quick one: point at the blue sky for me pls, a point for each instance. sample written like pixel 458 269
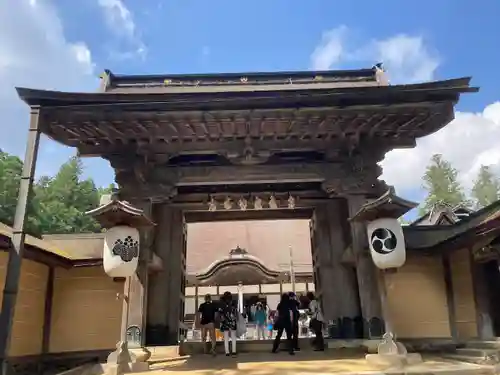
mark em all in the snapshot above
pixel 68 43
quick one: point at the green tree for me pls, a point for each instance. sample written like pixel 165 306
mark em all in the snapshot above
pixel 10 176
pixel 61 201
pixel 486 189
pixel 441 182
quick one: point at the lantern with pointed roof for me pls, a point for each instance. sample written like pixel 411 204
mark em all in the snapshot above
pixel 122 222
pixel 385 234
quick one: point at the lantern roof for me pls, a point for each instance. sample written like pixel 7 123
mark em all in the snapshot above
pixel 388 205
pixel 118 212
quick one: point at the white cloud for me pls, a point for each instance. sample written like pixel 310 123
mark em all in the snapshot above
pixel 35 53
pixel 469 141
pixel 330 49
pixel 406 58
pixel 121 21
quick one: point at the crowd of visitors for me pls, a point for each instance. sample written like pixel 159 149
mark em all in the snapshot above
pixel 224 314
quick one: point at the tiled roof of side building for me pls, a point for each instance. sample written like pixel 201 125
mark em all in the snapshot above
pixel 38 243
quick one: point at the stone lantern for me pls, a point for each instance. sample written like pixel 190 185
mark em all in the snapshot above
pixel 386 243
pixel 122 245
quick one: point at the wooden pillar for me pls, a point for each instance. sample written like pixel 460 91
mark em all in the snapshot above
pixel 137 286
pixel 16 251
pixel 166 288
pixel 366 272
pixel 337 281
pixel 47 318
pixel 485 329
pixel 450 296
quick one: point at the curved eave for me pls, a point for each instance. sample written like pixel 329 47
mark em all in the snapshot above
pixel 448 89
pixel 116 212
pixel 388 205
pixel 225 263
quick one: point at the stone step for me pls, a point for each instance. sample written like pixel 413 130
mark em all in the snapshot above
pixel 477 352
pixel 470 359
pixel 490 344
pixel 163 352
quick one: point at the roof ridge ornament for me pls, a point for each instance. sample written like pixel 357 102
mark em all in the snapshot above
pixel 238 251
pixel 381 75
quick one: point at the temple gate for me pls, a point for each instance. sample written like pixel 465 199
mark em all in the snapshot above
pixel 181 145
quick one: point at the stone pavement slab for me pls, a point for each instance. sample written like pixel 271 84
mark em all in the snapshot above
pixel 307 363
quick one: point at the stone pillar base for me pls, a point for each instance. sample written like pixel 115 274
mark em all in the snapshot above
pixel 396 361
pixel 141 354
pixel 392 354
pixel 132 367
pixel 123 360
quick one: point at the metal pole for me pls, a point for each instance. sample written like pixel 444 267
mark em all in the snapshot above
pixel 18 235
pixel 292 269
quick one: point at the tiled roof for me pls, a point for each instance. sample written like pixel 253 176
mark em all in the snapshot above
pixel 40 244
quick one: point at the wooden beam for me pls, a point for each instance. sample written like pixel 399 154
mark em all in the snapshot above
pixel 231 146
pixel 47 317
pixel 236 215
pixel 450 295
pixel 232 174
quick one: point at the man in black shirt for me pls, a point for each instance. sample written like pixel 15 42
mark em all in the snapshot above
pixel 206 315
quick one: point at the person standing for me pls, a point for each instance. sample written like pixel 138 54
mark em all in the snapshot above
pixel 228 315
pixel 283 322
pixel 316 323
pixel 294 303
pixel 206 313
pixel 261 321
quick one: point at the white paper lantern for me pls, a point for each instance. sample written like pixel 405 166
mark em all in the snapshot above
pixel 387 243
pixel 121 251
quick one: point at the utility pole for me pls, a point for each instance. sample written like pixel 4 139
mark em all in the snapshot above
pixel 292 270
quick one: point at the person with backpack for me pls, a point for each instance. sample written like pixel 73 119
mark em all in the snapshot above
pixel 316 322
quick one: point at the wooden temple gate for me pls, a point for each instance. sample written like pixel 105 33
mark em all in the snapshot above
pixel 178 143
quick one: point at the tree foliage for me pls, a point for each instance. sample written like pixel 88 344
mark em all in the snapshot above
pixel 10 176
pixel 442 185
pixel 486 189
pixel 59 203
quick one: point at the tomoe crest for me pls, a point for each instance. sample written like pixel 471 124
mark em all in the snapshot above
pixel 383 241
pixel 126 249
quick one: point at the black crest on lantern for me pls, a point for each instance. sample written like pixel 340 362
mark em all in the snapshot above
pixel 384 241
pixel 127 249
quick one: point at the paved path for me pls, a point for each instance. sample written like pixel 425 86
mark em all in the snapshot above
pixel 305 364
